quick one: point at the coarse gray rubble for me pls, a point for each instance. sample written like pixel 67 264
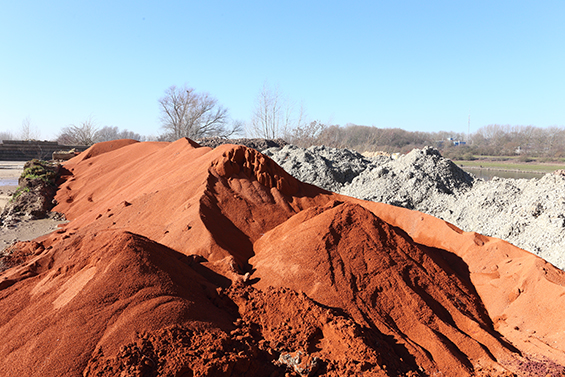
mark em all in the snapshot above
pixel 528 213
pixel 415 181
pixel 257 143
pixel 329 168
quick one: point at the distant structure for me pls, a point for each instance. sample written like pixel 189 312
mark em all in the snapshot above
pixel 456 142
pixel 24 150
pixel 518 150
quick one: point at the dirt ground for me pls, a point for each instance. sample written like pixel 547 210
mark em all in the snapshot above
pixel 10 171
pixel 9 174
pixel 6 192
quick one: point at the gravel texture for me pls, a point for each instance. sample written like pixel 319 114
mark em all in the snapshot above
pixel 529 213
pixel 329 168
pixel 415 181
pixel 257 143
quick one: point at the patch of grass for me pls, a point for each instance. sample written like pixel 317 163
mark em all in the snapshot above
pixel 19 191
pixel 43 177
pixel 511 165
pixel 525 158
pixel 469 157
pixel 39 169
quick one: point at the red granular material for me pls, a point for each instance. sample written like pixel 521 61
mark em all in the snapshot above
pixel 181 260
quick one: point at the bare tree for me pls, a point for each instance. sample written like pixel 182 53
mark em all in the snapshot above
pixel 86 133
pixel 186 113
pixel 307 135
pixel 27 131
pixel 264 119
pixel 125 134
pixel 275 115
pixel 108 133
pixel 6 135
pixel 237 127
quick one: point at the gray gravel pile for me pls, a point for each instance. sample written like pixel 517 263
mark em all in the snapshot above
pixel 257 143
pixel 325 167
pixel 528 213
pixel 413 181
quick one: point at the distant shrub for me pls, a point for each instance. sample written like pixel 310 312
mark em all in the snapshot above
pixel 525 158
pixel 469 157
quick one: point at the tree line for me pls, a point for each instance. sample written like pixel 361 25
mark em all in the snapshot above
pixel 490 140
pixel 186 112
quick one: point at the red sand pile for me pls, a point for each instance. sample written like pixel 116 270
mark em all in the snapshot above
pixel 187 261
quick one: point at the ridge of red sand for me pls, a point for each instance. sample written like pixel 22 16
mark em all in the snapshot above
pixel 520 291
pixel 101 148
pixel 344 256
pixel 183 260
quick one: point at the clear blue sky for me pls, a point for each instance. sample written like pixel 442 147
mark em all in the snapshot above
pixel 417 65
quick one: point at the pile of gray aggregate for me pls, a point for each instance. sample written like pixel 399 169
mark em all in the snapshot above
pixel 529 213
pixel 328 168
pixel 255 143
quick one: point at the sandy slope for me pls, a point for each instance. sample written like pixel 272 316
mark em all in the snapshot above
pixel 180 260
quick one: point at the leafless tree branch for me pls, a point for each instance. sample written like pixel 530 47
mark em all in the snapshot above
pixel 186 113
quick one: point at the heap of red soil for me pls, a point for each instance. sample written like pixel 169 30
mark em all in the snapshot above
pixel 187 261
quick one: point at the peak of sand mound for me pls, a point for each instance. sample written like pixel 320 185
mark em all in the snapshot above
pixel 255 166
pixel 344 256
pixel 326 167
pixel 417 180
pixel 185 260
pixel 104 147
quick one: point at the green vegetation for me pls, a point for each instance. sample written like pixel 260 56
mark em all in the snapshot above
pixel 39 169
pixel 34 170
pixel 511 163
pixel 19 192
